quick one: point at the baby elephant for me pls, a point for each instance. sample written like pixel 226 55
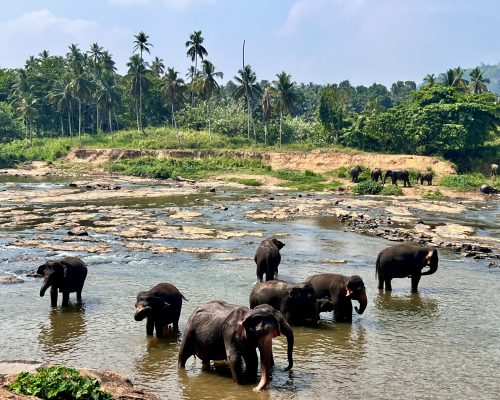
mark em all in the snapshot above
pixel 340 290
pixel 425 176
pixel 66 275
pixel 161 305
pixel 296 302
pixel 268 257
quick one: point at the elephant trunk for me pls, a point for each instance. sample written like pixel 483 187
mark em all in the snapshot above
pixel 363 302
pixel 431 270
pixel 141 312
pixel 286 330
pixel 45 286
pixel 266 351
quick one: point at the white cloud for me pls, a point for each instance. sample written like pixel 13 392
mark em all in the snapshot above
pixel 175 4
pixel 39 30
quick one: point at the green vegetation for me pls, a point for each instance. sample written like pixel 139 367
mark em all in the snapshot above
pixel 466 182
pixel 47 150
pixel 391 190
pixel 306 180
pixel 367 187
pixel 58 382
pixel 434 195
pixel 245 181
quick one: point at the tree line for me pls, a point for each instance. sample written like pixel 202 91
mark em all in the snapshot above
pixel 82 92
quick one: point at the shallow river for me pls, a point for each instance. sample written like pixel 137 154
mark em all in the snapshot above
pixel 442 343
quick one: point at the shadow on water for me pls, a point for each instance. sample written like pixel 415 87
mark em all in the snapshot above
pixel 408 304
pixel 64 329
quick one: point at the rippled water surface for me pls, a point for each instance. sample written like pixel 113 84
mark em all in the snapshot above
pixel 442 343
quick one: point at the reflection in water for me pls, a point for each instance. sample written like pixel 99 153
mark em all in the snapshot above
pixel 64 329
pixel 159 355
pixel 409 304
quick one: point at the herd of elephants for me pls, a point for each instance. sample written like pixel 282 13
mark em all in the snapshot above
pixel 221 331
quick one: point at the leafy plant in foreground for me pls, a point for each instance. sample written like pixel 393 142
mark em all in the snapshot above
pixel 367 187
pixel 60 383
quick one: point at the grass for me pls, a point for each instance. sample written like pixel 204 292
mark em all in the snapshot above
pixel 245 181
pixel 391 190
pixel 434 195
pixel 465 182
pixel 40 150
pixel 305 180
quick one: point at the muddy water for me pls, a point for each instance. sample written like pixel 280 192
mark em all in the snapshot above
pixel 443 343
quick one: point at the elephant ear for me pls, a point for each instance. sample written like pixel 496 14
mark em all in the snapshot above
pixel 338 289
pixel 294 293
pixel 241 332
pixel 428 257
pixel 260 317
pixel 41 270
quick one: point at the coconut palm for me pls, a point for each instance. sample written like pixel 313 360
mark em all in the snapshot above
pixel 62 100
pixel 477 83
pixel 210 85
pixel 136 76
pixel 157 67
pixel 141 43
pixel 107 63
pixel 195 49
pixel 108 96
pixel 95 53
pixel 266 110
pixel 27 109
pixel 81 87
pixel 454 77
pixel 248 88
pixel 286 93
pixel 172 87
pixel 430 79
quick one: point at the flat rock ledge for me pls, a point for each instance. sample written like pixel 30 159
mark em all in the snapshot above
pixel 119 386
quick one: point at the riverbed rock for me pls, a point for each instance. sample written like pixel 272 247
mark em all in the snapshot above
pixel 9 279
pixel 78 231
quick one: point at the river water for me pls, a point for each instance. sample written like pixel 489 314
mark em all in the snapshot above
pixel 442 343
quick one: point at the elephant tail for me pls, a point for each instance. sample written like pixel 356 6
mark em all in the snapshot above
pixel 377 266
pixel 184 297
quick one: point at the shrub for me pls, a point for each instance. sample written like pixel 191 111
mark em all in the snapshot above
pixel 391 190
pixel 367 187
pixel 58 382
pixel 434 195
pixel 468 182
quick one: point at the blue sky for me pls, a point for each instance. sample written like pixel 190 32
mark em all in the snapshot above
pixel 322 41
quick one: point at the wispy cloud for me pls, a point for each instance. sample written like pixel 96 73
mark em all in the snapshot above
pixel 175 4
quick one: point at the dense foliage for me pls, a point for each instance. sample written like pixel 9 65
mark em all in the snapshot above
pixel 81 92
pixel 59 383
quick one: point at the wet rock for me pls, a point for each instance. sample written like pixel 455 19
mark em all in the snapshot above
pixel 78 231
pixel 33 274
pixel 493 264
pixel 487 189
pixel 212 190
pixel 9 279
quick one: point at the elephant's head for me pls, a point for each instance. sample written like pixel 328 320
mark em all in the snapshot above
pixel 388 174
pixel 278 243
pixel 147 305
pixel 430 259
pixel 259 327
pixel 419 175
pixel 302 303
pixel 54 273
pixel 356 291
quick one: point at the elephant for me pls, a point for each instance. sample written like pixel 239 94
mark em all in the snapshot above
pixel 161 305
pixel 403 261
pixel 296 302
pixel 398 174
pixel 425 176
pixel 487 189
pixel 221 331
pixel 66 275
pixel 340 290
pixel 268 257
pixel 494 170
pixel 354 173
pixel 375 174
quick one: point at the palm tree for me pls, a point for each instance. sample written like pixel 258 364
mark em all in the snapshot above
pixel 62 100
pixel 478 82
pixel 28 111
pixel 108 96
pixel 141 43
pixel 95 53
pixel 107 63
pixel 157 67
pixel 172 87
pixel 195 49
pixel 81 88
pixel 210 85
pixel 136 76
pixel 430 79
pixel 287 95
pixel 266 110
pixel 454 77
pixel 248 88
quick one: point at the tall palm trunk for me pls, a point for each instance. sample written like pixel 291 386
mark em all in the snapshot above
pixel 174 124
pixel 281 119
pixel 69 122
pixel 62 123
pixel 248 118
pixel 265 133
pixel 80 121
pixel 209 128
pixel 140 99
pixel 137 114
pixel 98 127
pixel 110 123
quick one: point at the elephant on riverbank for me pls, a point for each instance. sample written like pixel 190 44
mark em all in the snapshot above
pixel 494 170
pixel 402 261
pixel 296 301
pixel 396 174
pixel 161 305
pixel 376 174
pixel 66 275
pixel 425 176
pixel 221 331
pixel 354 173
pixel 268 258
pixel 340 290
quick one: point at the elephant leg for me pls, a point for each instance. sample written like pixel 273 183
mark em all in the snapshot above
pixel 79 296
pixel 159 325
pixel 252 365
pixel 380 282
pixel 53 296
pixel 186 350
pixel 388 285
pixel 175 325
pixel 414 282
pixel 65 300
pixel 234 360
pixel 150 326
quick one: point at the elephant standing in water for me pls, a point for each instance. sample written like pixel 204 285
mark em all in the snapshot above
pixel 425 176
pixel 66 276
pixel 354 173
pixel 341 290
pixel 161 305
pixel 296 301
pixel 494 170
pixel 403 261
pixel 221 331
pixel 396 174
pixel 268 258
pixel 376 174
